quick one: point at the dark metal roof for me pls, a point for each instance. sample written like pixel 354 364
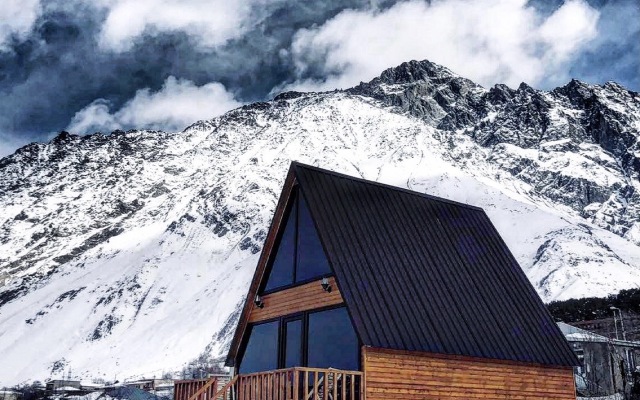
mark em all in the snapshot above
pixel 422 273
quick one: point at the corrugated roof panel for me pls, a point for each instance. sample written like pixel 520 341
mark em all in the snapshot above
pixel 422 273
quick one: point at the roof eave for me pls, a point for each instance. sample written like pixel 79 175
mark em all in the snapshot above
pixel 261 266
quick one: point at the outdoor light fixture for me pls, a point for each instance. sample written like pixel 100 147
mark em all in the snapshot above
pixel 325 285
pixel 258 302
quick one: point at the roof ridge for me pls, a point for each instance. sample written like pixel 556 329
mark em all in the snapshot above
pixel 297 164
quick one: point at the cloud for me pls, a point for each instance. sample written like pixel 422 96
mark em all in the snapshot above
pixel 16 19
pixel 212 22
pixel 59 67
pixel 59 56
pixel 615 53
pixel 488 41
pixel 177 104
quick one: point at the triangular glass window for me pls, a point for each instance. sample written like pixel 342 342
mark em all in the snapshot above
pixel 299 256
pixel 312 261
pixel 283 267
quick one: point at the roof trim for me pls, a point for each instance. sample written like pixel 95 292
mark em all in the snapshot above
pixel 296 164
pixel 258 275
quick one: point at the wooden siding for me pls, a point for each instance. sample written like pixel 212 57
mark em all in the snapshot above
pixel 394 374
pixel 300 298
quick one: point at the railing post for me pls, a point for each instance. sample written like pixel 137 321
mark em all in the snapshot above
pixel 325 386
pixel 306 385
pixel 269 388
pixel 335 386
pixel 315 385
pixel 353 387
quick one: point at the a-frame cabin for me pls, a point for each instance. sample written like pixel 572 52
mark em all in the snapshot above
pixel 365 290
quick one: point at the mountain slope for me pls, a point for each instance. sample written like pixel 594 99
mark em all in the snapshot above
pixel 129 254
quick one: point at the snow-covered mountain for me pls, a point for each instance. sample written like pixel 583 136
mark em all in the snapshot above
pixel 129 254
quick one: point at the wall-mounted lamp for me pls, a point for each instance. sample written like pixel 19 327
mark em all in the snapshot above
pixel 258 302
pixel 326 286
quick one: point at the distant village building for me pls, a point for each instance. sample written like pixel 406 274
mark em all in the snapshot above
pixel 61 386
pixel 368 291
pixel 625 325
pixel 151 385
pixel 68 387
pixel 10 395
pixel 607 366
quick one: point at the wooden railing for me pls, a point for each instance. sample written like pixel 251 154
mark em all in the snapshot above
pixel 300 383
pixel 199 389
pixel 185 389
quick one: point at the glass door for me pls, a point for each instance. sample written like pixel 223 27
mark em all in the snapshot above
pixel 293 343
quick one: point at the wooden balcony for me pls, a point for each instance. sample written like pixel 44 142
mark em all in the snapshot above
pixel 186 389
pixel 298 383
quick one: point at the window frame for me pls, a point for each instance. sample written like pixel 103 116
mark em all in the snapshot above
pixel 282 340
pixel 306 331
pixel 245 341
pixel 295 195
pixel 282 320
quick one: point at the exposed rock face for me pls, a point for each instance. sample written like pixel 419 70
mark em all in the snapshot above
pixel 130 253
pixel 553 134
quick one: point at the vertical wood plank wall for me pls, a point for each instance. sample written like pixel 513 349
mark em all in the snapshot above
pixel 297 299
pixel 393 374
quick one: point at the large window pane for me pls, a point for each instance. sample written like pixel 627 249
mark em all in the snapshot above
pixel 332 340
pixel 293 347
pixel 312 261
pixel 283 264
pixel 261 353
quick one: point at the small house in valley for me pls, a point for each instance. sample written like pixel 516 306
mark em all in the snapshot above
pixel 608 367
pixel 369 291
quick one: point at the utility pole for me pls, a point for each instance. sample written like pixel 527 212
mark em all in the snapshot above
pixel 624 334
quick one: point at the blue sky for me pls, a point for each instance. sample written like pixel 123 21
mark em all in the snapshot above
pixel 98 65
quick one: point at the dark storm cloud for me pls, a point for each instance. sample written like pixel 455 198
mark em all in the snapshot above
pixel 60 67
pixel 615 53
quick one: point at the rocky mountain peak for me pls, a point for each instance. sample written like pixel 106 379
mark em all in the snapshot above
pixel 428 91
pixel 578 92
pixel 415 71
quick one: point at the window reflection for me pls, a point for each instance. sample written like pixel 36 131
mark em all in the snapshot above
pixel 299 255
pixel 293 348
pixel 261 353
pixel 282 267
pixel 311 259
pixel 332 341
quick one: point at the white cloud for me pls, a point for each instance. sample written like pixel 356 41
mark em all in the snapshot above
pixel 212 22
pixel 178 104
pixel 16 19
pixel 488 41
